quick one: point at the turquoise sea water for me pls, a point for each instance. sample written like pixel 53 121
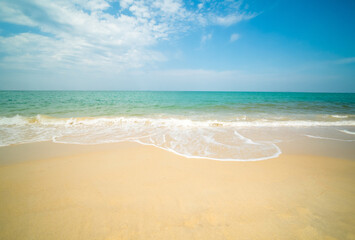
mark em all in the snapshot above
pixel 204 104
pixel 216 125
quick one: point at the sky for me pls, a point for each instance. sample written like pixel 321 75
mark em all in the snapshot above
pixel 194 45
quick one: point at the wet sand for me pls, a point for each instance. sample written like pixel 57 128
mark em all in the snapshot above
pixel 131 191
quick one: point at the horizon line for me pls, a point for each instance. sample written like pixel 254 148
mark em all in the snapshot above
pixel 106 90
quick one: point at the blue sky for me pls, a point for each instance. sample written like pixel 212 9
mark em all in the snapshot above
pixel 178 45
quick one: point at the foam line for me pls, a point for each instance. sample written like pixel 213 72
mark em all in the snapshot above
pixel 246 140
pixel 340 116
pixel 278 152
pixel 131 121
pixel 334 139
pixel 347 132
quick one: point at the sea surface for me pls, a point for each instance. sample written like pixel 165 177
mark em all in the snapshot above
pixel 226 126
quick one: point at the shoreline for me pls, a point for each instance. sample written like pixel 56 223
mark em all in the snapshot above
pixel 299 146
pixel 131 191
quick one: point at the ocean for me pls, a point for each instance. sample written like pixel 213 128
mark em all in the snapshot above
pixel 226 126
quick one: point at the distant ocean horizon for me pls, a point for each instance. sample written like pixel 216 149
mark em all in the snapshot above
pixel 228 126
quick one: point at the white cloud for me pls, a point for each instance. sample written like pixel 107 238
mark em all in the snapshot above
pixel 81 38
pixel 234 37
pixel 206 38
pixel 232 19
pixel 9 13
pixel 224 13
pixel 82 35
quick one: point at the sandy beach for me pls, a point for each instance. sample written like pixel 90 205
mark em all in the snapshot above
pixel 177 120
pixel 132 191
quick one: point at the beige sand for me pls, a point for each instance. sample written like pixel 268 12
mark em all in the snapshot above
pixel 130 191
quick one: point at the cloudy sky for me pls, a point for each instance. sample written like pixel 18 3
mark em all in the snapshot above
pixel 276 45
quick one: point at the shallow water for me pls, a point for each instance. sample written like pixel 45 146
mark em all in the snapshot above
pixel 229 126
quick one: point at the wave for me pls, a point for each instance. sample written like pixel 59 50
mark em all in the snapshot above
pixel 275 155
pixel 326 138
pixel 194 139
pixel 339 116
pixel 109 121
pixel 211 139
pixel 347 132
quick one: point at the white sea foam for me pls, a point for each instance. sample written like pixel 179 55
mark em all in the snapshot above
pixel 347 132
pixel 218 140
pixel 109 121
pixel 197 139
pixel 16 120
pixel 326 138
pixel 275 155
pixel 339 116
pixel 247 140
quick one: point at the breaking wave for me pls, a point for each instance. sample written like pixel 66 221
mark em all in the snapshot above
pixel 218 140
